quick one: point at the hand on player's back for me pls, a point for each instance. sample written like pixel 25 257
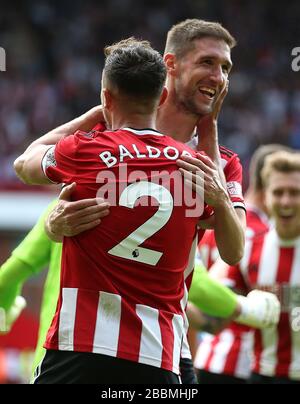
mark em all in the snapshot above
pixel 70 218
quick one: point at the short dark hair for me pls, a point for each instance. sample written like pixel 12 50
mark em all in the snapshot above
pixel 181 36
pixel 257 163
pixel 135 69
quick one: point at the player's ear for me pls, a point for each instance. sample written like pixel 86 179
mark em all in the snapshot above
pixel 106 98
pixel 163 96
pixel 170 62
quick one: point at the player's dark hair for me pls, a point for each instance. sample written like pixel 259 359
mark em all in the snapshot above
pixel 181 36
pixel 135 69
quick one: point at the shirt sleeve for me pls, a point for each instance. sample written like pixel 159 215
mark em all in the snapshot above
pixel 210 296
pixel 35 249
pixel 234 178
pixel 59 162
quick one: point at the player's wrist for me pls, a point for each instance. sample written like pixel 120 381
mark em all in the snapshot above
pixel 223 202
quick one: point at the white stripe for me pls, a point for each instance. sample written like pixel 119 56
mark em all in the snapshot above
pixel 294 370
pixel 224 163
pixel 203 351
pixel 107 329
pixel 151 342
pixel 143 132
pixel 67 319
pixel 238 205
pixel 268 357
pixel 246 258
pixel 295 272
pixel 244 362
pixel 178 331
pixel 185 349
pixel 268 265
pixel 221 351
pixel 192 257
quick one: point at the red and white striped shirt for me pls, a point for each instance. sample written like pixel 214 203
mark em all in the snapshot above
pixel 273 264
pixel 230 351
pixel 122 287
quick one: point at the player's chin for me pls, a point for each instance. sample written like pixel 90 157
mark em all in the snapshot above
pixel 205 109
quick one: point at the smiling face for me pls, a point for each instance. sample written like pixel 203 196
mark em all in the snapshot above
pixel 201 74
pixel 282 195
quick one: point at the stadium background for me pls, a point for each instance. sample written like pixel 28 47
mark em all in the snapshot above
pixel 54 60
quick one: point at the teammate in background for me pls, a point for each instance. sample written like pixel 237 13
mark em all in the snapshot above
pixel 226 357
pixel 118 317
pixel 272 262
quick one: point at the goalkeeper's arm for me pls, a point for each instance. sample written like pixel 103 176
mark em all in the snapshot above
pixel 258 309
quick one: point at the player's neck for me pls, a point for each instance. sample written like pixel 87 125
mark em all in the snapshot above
pixel 176 122
pixel 135 121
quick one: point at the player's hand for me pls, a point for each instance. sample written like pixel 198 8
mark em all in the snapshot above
pixel 203 176
pixel 9 317
pixel 207 120
pixel 69 218
pixel 259 309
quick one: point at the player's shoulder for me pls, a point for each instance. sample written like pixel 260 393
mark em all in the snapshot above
pixel 182 147
pixel 228 154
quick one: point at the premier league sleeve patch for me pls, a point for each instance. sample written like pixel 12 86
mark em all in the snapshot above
pixel 49 159
pixel 234 189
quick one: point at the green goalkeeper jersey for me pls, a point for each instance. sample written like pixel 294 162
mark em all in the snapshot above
pixel 210 296
pixel 37 252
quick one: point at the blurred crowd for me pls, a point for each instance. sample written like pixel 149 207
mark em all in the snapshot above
pixel 54 61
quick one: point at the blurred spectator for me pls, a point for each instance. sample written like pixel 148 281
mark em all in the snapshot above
pixel 54 59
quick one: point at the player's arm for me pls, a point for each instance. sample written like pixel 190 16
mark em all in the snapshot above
pixel 28 259
pixel 210 296
pixel 202 175
pixel 258 309
pixel 28 166
pixel 85 123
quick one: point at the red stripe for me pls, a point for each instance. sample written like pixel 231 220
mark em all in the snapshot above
pixel 255 257
pixel 284 354
pixel 213 345
pixel 167 338
pixel 85 321
pixel 233 356
pixel 286 257
pixel 52 334
pixel 258 348
pixel 130 336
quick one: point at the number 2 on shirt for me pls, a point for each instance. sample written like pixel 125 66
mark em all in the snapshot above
pixel 129 248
